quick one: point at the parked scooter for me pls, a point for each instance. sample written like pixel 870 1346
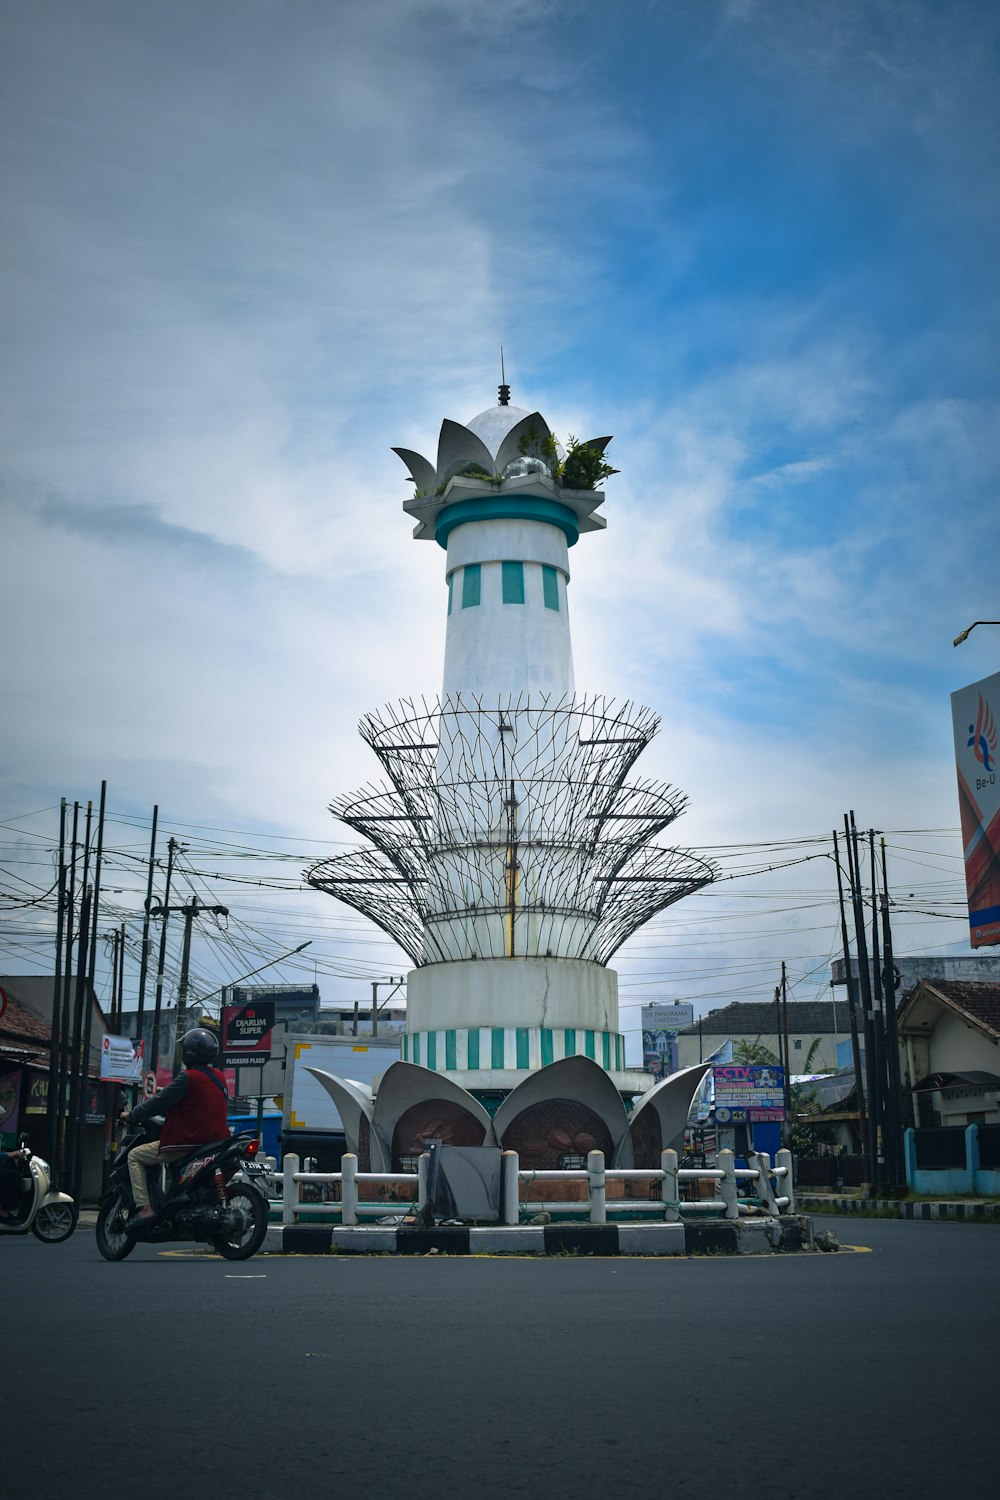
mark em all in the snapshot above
pixel 51 1216
pixel 206 1195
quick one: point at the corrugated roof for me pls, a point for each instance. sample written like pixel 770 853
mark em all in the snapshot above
pixel 757 1017
pixel 937 1081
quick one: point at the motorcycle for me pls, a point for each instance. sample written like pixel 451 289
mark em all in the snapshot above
pixel 207 1195
pixel 49 1215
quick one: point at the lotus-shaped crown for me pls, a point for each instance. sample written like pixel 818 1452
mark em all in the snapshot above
pixel 511 450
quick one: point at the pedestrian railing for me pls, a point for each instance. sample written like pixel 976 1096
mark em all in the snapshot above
pixel 772 1189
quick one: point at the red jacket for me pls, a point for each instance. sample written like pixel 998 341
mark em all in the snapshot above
pixel 195 1105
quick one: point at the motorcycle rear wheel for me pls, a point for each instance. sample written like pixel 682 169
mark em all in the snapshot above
pixel 113 1241
pixel 247 1236
pixel 54 1222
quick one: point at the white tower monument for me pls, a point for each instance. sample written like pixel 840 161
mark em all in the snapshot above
pixel 508 853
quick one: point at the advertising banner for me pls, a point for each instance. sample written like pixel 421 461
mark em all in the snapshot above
pixel 10 1099
pixel 748 1094
pixel 246 1034
pixel 975 714
pixel 121 1060
pixel 37 1102
pixel 660 1025
pixel 163 1077
pixel 38 1099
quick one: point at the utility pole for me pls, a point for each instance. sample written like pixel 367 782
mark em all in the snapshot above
pixel 80 1002
pixel 147 909
pixel 878 1016
pixel 116 937
pixel 193 909
pixel 788 1059
pixel 65 1022
pixel 121 973
pixel 864 976
pixel 377 984
pixel 91 987
pixel 891 1037
pixel 154 1051
pixel 54 1101
pixel 852 1010
pixel 112 938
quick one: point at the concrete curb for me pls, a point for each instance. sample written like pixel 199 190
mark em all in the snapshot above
pixel 745 1237
pixel 969 1211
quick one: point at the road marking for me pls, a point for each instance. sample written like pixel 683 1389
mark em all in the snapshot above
pixel 240 1276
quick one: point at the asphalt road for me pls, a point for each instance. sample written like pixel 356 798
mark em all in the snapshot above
pixel 176 1374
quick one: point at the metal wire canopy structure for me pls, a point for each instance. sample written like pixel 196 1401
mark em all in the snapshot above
pixel 508 829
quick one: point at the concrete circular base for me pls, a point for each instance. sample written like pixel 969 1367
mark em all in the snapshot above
pixel 549 993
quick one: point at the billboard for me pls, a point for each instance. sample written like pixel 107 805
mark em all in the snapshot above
pixel 660 1025
pixel 975 713
pixel 121 1060
pixel 748 1093
pixel 246 1034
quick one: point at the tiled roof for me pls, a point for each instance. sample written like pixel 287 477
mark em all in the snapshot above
pixel 19 1025
pixel 980 1002
pixel 32 995
pixel 35 992
pixel 756 1017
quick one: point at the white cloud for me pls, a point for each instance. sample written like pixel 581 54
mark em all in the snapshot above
pixel 246 258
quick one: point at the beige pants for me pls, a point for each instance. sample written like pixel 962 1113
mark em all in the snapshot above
pixel 148 1156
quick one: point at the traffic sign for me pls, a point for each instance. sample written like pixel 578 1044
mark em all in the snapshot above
pixel 149 1086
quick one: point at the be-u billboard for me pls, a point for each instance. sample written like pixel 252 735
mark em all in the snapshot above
pixel 975 712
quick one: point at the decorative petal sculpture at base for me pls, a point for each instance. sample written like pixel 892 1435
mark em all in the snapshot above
pixel 568 1108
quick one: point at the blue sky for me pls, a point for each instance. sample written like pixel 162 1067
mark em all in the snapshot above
pixel 251 245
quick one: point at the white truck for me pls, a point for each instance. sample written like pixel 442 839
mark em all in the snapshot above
pixel 310 1117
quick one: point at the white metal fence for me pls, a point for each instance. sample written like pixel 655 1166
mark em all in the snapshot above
pixel 773 1189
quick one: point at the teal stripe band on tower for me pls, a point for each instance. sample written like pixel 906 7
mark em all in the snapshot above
pixel 503 509
pixel 509 1048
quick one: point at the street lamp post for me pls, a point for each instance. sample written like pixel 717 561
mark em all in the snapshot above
pixel 232 983
pixel 966 633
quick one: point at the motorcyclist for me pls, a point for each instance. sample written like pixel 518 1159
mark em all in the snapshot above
pixel 194 1104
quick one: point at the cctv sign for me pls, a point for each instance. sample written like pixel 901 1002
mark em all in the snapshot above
pixel 246 1034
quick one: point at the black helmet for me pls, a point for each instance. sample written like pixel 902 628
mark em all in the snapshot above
pixel 199 1046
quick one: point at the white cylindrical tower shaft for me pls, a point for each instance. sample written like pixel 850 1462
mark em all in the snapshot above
pixel 508 620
